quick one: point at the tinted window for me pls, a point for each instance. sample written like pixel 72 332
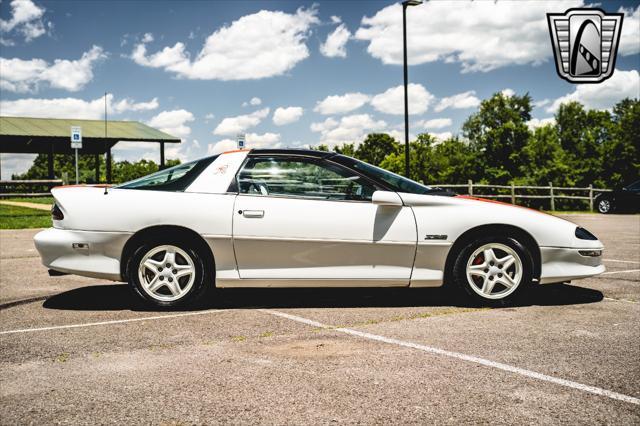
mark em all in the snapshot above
pixel 302 177
pixel 391 180
pixel 176 178
pixel 635 186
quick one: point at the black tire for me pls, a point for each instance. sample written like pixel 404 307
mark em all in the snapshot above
pixel 463 258
pixel 605 205
pixel 201 281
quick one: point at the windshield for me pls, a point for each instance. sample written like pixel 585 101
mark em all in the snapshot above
pixel 635 186
pixel 176 178
pixel 395 182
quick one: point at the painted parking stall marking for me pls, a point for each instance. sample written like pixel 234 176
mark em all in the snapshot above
pixel 621 261
pixel 93 324
pixel 469 358
pixel 620 272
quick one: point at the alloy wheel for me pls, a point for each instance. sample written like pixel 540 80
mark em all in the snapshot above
pixel 494 271
pixel 166 273
pixel 604 206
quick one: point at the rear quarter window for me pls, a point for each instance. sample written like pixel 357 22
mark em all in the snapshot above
pixel 176 179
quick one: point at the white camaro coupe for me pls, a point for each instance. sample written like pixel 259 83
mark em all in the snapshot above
pixel 301 218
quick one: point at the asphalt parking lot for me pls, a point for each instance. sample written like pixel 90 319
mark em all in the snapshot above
pixel 78 350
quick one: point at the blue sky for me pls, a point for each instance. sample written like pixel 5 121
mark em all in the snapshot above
pixel 192 67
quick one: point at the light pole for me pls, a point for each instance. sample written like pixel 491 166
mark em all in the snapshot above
pixel 406 4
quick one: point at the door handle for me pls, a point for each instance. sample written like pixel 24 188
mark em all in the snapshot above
pixel 257 214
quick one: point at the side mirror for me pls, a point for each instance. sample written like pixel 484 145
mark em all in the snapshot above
pixel 386 198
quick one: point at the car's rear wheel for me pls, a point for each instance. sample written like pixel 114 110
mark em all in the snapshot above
pixel 168 274
pixel 605 205
pixel 493 270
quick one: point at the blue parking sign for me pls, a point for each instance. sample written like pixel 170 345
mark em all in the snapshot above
pixel 76 137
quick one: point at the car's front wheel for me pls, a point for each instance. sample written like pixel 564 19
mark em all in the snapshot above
pixel 493 270
pixel 167 274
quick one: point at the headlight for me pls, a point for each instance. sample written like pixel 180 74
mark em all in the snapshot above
pixel 583 234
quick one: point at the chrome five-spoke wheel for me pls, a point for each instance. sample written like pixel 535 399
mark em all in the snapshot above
pixel 166 273
pixel 494 271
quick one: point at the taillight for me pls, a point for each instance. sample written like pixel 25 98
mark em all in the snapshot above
pixel 56 213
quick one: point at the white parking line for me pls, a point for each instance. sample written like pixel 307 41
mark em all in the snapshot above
pixel 488 363
pixel 93 324
pixel 618 300
pixel 620 272
pixel 621 261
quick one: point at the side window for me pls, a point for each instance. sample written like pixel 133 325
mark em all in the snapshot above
pixel 176 178
pixel 302 177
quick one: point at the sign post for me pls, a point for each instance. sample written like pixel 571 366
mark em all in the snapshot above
pixel 76 143
pixel 241 140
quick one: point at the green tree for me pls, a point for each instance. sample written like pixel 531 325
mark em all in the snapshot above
pixel 376 147
pixel 621 153
pixel 498 132
pixel 544 160
pixel 65 164
pixel 347 149
pixel 583 134
pixel 421 165
pixel 455 161
pixel 122 171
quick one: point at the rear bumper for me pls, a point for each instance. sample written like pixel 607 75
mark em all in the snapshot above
pixel 87 253
pixel 561 264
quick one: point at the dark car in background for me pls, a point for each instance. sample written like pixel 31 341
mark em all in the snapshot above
pixel 620 200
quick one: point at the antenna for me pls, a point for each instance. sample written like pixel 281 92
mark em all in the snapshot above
pixel 106 191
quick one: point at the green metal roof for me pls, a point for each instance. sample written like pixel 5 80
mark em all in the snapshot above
pixel 61 128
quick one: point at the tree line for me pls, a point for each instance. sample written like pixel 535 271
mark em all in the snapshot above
pixel 64 166
pixel 496 146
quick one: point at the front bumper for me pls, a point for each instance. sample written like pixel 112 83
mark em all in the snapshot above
pixel 560 264
pixel 87 253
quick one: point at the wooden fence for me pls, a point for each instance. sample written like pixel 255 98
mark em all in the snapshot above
pixel 27 188
pixel 514 192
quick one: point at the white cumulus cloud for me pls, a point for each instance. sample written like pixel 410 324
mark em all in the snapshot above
pixel 335 46
pixel 534 123
pixel 460 101
pixel 340 104
pixel 392 101
pixel 630 35
pixel 71 107
pixel 252 140
pixel 507 93
pixel 253 102
pixel 480 35
pixel 233 125
pixel 129 104
pixel 436 123
pixel 441 136
pixel 26 19
pixel 282 116
pixel 350 129
pixel 20 75
pixel 622 84
pixel 173 122
pixel 260 45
